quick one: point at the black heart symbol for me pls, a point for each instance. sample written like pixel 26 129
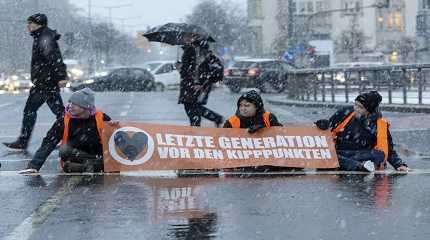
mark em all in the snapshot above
pixel 131 147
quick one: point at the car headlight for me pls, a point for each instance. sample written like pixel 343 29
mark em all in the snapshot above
pixel 14 77
pixel 77 72
pixel 68 84
pixel 340 78
pixel 89 81
pixel 101 74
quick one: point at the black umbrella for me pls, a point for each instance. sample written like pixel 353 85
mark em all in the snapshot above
pixel 177 34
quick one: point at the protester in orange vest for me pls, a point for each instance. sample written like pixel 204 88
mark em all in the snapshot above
pixel 362 136
pixel 80 133
pixel 250 114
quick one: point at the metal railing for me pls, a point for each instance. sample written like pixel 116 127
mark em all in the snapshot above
pixel 399 82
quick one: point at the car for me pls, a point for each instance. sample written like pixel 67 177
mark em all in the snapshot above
pixel 165 73
pixel 120 79
pixel 74 69
pixel 264 74
pixel 19 81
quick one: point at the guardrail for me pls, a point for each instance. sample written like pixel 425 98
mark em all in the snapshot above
pixel 401 84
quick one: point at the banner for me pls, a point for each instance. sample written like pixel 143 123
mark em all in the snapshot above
pixel 138 146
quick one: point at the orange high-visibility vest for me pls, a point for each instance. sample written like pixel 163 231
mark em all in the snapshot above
pixel 235 120
pixel 99 124
pixel 382 126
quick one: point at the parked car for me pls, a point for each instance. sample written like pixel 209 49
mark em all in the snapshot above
pixel 264 74
pixel 165 73
pixel 121 79
pixel 20 81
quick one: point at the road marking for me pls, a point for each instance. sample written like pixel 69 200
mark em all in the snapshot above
pixel 15 160
pixel 25 230
pixel 5 104
pixel 5 136
pixel 410 129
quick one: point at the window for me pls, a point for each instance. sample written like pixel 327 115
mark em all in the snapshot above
pixel 139 74
pixel 352 6
pixel 302 7
pixel 395 21
pixel 166 68
pixel 294 7
pixel 310 7
pixel 426 4
pixel 319 6
pixel 255 8
pixel 397 16
pixel 120 73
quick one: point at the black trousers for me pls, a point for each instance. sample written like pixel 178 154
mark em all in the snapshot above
pixel 196 111
pixel 350 160
pixel 76 160
pixel 36 99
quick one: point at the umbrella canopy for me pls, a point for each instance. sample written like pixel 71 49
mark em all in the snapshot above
pixel 177 34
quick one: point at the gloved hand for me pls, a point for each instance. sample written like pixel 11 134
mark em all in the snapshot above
pixel 255 128
pixel 323 124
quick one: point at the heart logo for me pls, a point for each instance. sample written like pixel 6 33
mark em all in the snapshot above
pixel 132 146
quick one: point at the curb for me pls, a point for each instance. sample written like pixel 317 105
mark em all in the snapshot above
pixel 383 107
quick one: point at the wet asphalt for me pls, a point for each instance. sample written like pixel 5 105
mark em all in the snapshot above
pixel 311 205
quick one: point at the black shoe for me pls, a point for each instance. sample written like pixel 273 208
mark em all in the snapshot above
pixel 16 146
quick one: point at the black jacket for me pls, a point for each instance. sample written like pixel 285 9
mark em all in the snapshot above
pixel 47 67
pixel 360 134
pixel 257 121
pixel 188 73
pixel 210 71
pixel 83 135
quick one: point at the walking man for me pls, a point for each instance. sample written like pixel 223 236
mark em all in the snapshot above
pixel 48 74
pixel 197 78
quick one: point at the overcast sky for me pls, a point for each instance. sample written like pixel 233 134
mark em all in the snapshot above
pixel 142 13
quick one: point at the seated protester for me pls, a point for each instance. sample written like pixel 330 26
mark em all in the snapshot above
pixel 80 132
pixel 362 137
pixel 250 114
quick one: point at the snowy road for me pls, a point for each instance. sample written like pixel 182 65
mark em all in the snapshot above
pixel 314 206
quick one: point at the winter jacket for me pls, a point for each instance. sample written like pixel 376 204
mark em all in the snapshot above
pixel 47 67
pixel 257 121
pixel 188 72
pixel 83 135
pixel 361 134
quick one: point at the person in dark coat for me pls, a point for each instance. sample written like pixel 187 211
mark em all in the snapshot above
pixel 196 83
pixel 251 114
pixel 48 74
pixel 360 141
pixel 81 148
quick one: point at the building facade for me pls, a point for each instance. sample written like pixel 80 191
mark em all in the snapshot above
pixel 387 32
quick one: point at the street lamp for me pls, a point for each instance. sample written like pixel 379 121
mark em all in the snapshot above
pixel 109 8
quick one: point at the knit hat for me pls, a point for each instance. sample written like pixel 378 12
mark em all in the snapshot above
pixel 38 18
pixel 253 97
pixel 83 98
pixel 370 100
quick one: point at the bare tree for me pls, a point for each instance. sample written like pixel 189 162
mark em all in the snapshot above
pixel 351 42
pixel 227 25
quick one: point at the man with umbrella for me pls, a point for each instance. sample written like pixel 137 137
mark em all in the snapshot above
pixel 197 78
pixel 200 68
